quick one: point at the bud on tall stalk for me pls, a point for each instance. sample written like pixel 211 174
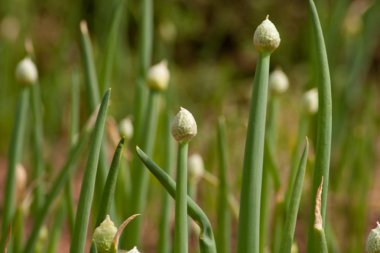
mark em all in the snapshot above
pixel 310 101
pixel 266 39
pixel 184 128
pixel 278 82
pixel 26 72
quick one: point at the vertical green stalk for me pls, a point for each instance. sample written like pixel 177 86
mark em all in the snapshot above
pixel 266 192
pixel 110 49
pixel 140 176
pixel 292 209
pixel 109 188
pixel 14 157
pixel 85 200
pixel 302 132
pixel 223 235
pixel 323 147
pixel 249 218
pixel 89 66
pixel 94 100
pixel 38 166
pixel 18 229
pixel 57 186
pixel 164 234
pixel 56 230
pixel 206 236
pixel 181 226
pixel 74 126
pixel 146 42
pixel 319 232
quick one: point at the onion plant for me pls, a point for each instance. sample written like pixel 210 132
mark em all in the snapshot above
pixel 266 40
pixel 323 147
pixel 206 236
pixel 84 206
pixel 26 73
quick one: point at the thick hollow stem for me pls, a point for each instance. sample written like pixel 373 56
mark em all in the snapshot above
pixel 249 218
pixel 181 226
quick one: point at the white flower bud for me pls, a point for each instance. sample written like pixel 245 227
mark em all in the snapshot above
pixel 134 250
pixel 104 235
pixel 196 167
pixel 310 101
pixel 26 72
pixel 278 81
pixel 158 76
pixel 373 241
pixel 21 179
pixel 126 128
pixel 266 38
pixel 184 127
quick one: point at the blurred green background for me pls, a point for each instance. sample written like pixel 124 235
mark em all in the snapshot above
pixel 209 48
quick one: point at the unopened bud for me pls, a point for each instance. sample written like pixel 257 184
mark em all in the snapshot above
pixel 196 167
pixel 310 101
pixel 373 241
pixel 278 81
pixel 158 76
pixel 134 250
pixel 104 235
pixel 184 127
pixel 26 72
pixel 126 128
pixel 266 38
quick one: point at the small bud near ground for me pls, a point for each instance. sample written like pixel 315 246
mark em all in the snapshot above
pixel 26 72
pixel 310 101
pixel 184 127
pixel 134 250
pixel 266 38
pixel 196 167
pixel 373 241
pixel 278 81
pixel 158 76
pixel 104 235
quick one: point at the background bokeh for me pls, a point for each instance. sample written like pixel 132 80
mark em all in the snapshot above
pixel 208 45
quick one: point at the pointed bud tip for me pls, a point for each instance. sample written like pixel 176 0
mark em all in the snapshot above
pixel 266 38
pixel 184 126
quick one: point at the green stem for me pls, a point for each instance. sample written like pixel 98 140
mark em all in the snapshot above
pixel 249 218
pixel 74 126
pixel 302 132
pixel 164 235
pixel 38 169
pixel 206 236
pixel 56 230
pixel 14 157
pixel 140 176
pixel 224 218
pixel 323 147
pixel 292 211
pixel 93 99
pixel 86 195
pixel 57 185
pixel 320 239
pixel 110 49
pixel 181 226
pixel 109 188
pixel 18 229
pixel 146 42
